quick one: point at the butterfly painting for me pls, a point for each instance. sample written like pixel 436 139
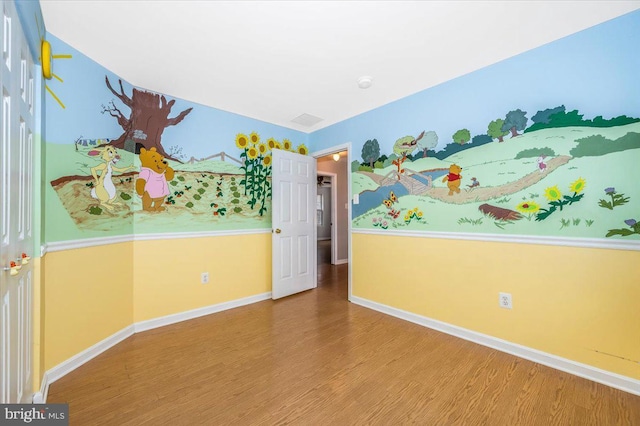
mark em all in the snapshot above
pixel 394 213
pixel 392 199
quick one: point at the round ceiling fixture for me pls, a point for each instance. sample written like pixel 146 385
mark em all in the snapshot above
pixel 365 82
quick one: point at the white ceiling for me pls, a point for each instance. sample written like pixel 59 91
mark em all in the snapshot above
pixel 274 60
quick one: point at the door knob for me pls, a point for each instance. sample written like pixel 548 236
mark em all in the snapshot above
pixel 278 230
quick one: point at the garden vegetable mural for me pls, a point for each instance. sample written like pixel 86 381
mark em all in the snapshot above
pixel 239 195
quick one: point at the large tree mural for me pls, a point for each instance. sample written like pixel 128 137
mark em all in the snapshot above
pixel 514 121
pixel 429 141
pixel 495 129
pixel 148 119
pixel 370 152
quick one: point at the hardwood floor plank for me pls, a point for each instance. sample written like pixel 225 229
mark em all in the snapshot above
pixel 315 359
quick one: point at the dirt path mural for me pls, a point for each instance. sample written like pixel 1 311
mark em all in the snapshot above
pixel 489 193
pixel 480 193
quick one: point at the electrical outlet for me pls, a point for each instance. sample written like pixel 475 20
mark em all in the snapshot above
pixel 204 278
pixel 505 300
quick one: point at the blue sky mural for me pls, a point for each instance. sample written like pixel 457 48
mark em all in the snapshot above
pixel 595 71
pixel 203 132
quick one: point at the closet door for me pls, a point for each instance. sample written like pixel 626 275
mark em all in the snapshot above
pixel 16 215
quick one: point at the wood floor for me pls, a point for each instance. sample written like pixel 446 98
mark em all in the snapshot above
pixel 316 359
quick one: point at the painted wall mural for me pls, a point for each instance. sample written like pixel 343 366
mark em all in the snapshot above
pixel 537 182
pixel 542 144
pixel 123 160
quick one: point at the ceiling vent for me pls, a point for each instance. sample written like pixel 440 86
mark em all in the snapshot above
pixel 307 120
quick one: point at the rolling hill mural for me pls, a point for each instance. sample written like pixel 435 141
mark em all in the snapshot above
pixel 545 179
pixel 543 144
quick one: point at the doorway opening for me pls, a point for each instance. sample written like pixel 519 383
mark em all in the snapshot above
pixel 326 216
pixel 333 213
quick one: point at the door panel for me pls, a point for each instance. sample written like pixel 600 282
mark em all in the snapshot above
pixel 303 250
pixel 16 216
pixel 293 222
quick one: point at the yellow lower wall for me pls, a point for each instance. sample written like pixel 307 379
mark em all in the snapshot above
pixel 38 345
pixel 86 297
pixel 576 303
pixel 91 293
pixel 167 272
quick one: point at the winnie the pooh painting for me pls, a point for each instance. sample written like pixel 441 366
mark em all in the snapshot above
pixel 453 179
pixel 151 184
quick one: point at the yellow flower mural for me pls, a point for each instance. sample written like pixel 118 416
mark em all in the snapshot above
pixel 528 207
pixel 578 185
pixel 254 137
pixel 256 166
pixel 553 193
pixel 302 149
pixel 557 201
pixel 414 213
pixel 242 141
pixel 252 153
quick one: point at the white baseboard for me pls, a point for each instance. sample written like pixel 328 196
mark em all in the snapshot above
pixel 341 261
pixel 195 313
pixel 324 238
pixel 41 396
pixel 76 361
pixel 613 380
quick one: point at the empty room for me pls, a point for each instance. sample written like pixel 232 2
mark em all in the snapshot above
pixel 320 212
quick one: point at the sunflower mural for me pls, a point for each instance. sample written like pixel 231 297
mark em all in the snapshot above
pixel 256 166
pixel 528 208
pixel 557 201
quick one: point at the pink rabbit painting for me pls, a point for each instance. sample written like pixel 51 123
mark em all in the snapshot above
pixel 542 166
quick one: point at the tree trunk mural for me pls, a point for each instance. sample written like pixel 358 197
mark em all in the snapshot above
pixel 148 119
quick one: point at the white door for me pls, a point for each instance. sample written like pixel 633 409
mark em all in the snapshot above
pixel 294 223
pixel 16 192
